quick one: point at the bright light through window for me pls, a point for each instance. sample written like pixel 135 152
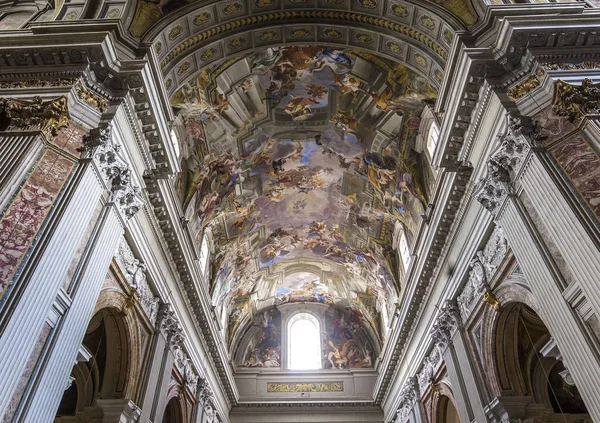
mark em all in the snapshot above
pixel 404 250
pixel 432 138
pixel 204 254
pixel 305 343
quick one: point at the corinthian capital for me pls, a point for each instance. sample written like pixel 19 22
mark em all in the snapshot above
pixel 506 162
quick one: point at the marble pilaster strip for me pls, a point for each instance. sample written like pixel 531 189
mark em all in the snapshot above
pixel 555 311
pixel 576 247
pixel 30 312
pixel 71 330
pixel 12 150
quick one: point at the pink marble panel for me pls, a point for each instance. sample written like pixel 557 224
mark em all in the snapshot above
pixel 26 213
pixel 582 165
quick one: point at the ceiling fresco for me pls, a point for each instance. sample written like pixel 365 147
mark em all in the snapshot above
pixel 301 157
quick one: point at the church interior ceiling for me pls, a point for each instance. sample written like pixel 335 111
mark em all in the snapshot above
pixel 298 161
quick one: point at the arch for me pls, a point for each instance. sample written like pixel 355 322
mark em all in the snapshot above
pixel 174 412
pixel 520 357
pixel 447 412
pixel 506 294
pixel 112 371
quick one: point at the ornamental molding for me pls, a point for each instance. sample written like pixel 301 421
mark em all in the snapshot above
pixel 483 268
pixel 99 145
pixel 505 163
pixel 135 272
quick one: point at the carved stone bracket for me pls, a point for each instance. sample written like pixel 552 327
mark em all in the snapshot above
pixel 100 145
pixel 135 274
pixel 504 165
pixel 483 267
pixel 45 116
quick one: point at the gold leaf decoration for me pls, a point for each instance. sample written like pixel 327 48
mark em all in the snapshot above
pixel 268 36
pixel 368 4
pixel 421 61
pixel 300 32
pixel 184 68
pixel 394 46
pixel 168 84
pixel 201 18
pixel 208 53
pixel 364 38
pixel 399 10
pixel 439 76
pixel 91 98
pixel 265 3
pixel 428 22
pixel 334 1
pixel 158 47
pixel 175 32
pixel 237 42
pixel 306 387
pixel 332 33
pixel 232 8
pixel 448 36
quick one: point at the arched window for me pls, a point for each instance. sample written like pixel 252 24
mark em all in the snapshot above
pixel 404 250
pixel 204 253
pixel 432 138
pixel 175 141
pixel 304 342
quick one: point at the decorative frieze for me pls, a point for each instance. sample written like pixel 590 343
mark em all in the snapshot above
pixel 135 273
pixel 506 162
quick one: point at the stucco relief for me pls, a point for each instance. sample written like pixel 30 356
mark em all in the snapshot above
pixel 483 267
pixel 135 273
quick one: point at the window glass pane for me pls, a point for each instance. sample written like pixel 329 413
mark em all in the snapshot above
pixel 432 138
pixel 404 250
pixel 305 345
pixel 204 255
